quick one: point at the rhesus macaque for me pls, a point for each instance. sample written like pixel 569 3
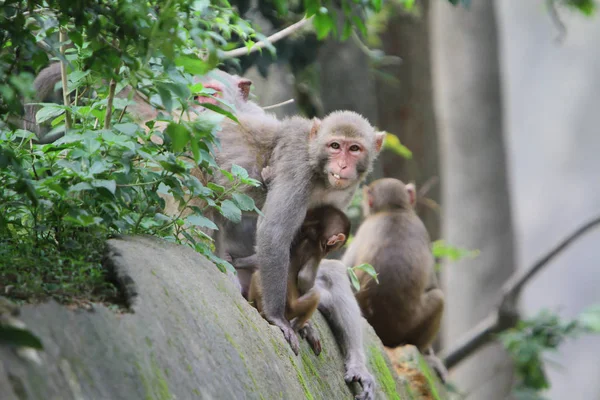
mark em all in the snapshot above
pixel 324 229
pixel 338 305
pixel 315 163
pixel 406 306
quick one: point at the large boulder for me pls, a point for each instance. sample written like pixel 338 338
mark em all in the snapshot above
pixel 190 334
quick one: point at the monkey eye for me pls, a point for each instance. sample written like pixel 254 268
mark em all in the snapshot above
pixel 335 145
pixel 355 147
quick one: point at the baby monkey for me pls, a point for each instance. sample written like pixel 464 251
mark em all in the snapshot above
pixel 324 230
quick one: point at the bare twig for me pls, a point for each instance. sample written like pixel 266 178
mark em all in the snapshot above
pixel 109 103
pixel 505 316
pixel 562 30
pixel 283 103
pixel 63 77
pixel 270 40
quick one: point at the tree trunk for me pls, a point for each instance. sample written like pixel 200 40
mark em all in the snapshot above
pixel 475 197
pixel 405 107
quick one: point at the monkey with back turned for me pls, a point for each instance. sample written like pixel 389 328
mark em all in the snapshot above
pixel 406 306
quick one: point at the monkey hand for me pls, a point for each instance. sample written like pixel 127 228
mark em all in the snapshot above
pixel 309 333
pixel 288 332
pixel 356 372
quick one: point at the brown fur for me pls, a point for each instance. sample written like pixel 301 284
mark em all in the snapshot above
pixel 406 306
pixel 324 229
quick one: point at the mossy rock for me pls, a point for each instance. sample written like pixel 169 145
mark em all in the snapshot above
pixel 189 335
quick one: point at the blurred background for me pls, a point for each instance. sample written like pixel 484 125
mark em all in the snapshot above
pixel 497 101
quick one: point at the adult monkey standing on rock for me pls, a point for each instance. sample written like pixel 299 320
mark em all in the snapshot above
pixel 315 163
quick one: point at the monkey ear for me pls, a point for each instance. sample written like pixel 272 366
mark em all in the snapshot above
pixel 379 137
pixel 315 128
pixel 339 238
pixel 244 86
pixel 412 193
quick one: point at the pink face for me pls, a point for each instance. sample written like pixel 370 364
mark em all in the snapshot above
pixel 345 155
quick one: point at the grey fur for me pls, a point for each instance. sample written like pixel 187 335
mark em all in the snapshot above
pixel 341 310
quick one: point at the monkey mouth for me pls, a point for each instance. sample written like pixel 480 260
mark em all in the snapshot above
pixel 336 176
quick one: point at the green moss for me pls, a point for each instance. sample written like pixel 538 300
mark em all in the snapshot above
pixel 170 342
pixel 307 393
pixel 166 291
pixel 430 381
pixel 153 272
pixel 154 383
pixel 196 392
pixel 148 341
pixel 249 370
pixel 382 372
pixel 189 368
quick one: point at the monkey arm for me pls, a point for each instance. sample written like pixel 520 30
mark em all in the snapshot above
pixel 283 213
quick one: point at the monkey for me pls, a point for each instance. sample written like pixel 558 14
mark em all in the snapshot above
pixel 406 306
pixel 340 308
pixel 316 162
pixel 324 229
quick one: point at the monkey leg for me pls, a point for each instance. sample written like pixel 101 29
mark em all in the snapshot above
pixel 255 292
pixel 309 333
pixel 426 322
pixel 303 308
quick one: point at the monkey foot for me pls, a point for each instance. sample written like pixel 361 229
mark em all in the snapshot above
pixel 358 373
pixel 309 333
pixel 288 333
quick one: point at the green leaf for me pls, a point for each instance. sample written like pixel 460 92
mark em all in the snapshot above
pixel 109 185
pixel 165 97
pixel 219 110
pixel 589 319
pixel 354 279
pixel 98 167
pixel 238 171
pixel 369 270
pixel 80 186
pixel 215 188
pixel 392 143
pixel 192 65
pixel 48 112
pixel 200 221
pixel 323 24
pixel 230 211
pixel 129 128
pixel 14 336
pixel 179 134
pixel 244 202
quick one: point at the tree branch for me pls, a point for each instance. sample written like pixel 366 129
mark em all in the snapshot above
pixel 63 77
pixel 270 40
pixel 505 316
pixel 283 103
pixel 562 29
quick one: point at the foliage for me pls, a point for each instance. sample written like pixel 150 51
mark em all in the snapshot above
pixel 532 338
pixel 107 175
pixel 367 268
pixel 393 144
pixel 586 7
pixel 441 249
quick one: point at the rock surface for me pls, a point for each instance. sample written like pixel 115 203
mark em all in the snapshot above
pixel 190 335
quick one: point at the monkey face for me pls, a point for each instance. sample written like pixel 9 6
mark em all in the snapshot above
pixel 344 156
